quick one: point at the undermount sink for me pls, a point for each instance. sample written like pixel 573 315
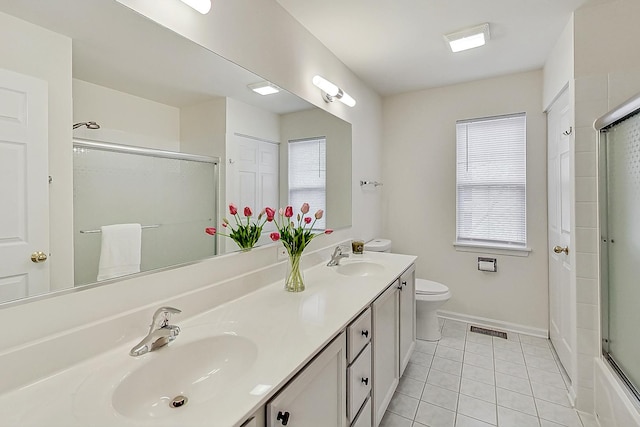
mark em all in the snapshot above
pixel 178 376
pixel 360 268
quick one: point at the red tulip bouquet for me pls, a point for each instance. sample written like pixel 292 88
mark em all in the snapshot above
pixel 245 232
pixel 295 235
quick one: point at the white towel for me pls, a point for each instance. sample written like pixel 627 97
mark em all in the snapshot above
pixel 120 250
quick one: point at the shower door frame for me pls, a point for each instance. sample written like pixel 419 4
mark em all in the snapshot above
pixel 602 125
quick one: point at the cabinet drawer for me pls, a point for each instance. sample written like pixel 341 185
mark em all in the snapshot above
pixel 358 382
pixel 358 334
pixel 364 417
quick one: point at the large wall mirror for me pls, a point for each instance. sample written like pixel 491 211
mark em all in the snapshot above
pixel 69 62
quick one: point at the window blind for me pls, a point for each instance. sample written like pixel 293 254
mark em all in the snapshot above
pixel 308 175
pixel 491 180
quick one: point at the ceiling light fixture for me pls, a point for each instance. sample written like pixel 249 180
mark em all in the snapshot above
pixel 331 91
pixel 468 38
pixel 264 88
pixel 202 6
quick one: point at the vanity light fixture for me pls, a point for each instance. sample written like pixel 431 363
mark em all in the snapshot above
pixel 331 91
pixel 264 88
pixel 202 6
pixel 468 38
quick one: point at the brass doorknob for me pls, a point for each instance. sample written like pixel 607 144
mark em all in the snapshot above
pixel 38 257
pixel 560 249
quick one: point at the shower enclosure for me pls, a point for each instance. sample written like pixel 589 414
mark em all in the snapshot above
pixel 619 199
pixel 172 195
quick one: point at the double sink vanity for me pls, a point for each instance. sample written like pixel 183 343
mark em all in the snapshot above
pixel 329 356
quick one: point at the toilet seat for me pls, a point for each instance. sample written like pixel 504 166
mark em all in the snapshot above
pixel 429 287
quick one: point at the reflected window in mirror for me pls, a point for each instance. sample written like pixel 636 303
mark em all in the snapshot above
pixel 308 175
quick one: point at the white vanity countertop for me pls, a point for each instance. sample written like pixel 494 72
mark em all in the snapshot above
pixel 283 332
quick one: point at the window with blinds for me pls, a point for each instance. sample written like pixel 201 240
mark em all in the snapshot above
pixel 491 181
pixel 308 176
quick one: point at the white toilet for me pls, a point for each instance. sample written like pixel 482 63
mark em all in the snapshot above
pixel 378 245
pixel 430 296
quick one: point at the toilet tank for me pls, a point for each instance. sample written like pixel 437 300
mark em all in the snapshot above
pixel 378 245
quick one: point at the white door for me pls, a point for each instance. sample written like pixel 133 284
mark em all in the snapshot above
pixel 24 201
pixel 560 195
pixel 255 172
pixel 257 169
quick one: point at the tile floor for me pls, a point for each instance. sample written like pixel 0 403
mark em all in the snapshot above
pixel 471 380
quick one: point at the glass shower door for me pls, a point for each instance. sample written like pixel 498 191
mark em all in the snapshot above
pixel 620 224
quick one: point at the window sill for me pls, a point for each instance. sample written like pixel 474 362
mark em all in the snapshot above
pixel 491 249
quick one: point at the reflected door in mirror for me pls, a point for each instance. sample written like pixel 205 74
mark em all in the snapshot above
pixel 24 202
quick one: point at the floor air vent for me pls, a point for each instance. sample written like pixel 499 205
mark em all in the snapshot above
pixel 489 332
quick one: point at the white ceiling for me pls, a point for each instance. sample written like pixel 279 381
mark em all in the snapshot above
pixel 120 49
pixel 397 46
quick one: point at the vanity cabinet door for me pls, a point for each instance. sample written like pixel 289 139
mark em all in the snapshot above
pixel 317 396
pixel 385 313
pixel 407 286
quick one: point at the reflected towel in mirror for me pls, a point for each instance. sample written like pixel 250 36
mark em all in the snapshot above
pixel 120 250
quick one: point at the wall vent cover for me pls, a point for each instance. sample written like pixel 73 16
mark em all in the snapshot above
pixel 489 332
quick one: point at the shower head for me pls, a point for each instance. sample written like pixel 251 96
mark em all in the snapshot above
pixel 89 125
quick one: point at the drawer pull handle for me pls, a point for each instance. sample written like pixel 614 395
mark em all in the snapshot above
pixel 365 333
pixel 284 417
pixel 365 381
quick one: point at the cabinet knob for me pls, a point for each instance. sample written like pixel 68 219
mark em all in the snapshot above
pixel 284 417
pixel 365 381
pixel 404 283
pixel 365 333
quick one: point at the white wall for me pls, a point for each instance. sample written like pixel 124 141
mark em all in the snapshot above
pixel 420 189
pixel 607 71
pixel 125 118
pixel 249 120
pixel 558 68
pixel 25 49
pixel 203 127
pixel 314 123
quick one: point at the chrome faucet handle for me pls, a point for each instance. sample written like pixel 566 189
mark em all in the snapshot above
pixel 166 313
pixel 337 255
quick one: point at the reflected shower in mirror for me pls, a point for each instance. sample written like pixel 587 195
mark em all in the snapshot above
pixel 162 92
pixel 116 184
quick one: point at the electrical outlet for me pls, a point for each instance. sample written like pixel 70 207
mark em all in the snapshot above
pixel 282 253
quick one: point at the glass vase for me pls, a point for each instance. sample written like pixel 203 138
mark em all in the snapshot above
pixel 294 281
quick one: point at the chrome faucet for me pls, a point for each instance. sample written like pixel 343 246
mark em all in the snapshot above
pixel 160 333
pixel 336 257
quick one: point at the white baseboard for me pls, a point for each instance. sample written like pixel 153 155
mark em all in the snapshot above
pixel 495 324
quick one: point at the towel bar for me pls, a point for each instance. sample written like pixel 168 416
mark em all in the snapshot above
pixel 100 231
